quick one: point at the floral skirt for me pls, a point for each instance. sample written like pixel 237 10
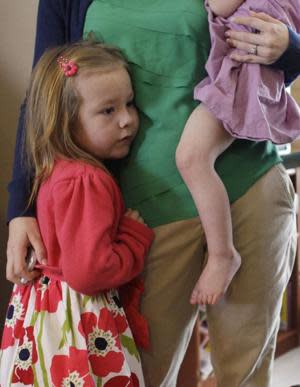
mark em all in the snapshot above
pixel 54 336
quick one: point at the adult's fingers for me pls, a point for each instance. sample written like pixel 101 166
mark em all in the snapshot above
pixel 38 247
pixel 10 273
pixel 16 267
pixel 23 232
pixel 16 252
pixel 264 47
pixel 248 58
pixel 265 17
pixel 253 53
pixel 258 21
pixel 245 37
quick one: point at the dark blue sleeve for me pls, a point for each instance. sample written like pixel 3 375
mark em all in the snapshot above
pixel 50 31
pixel 51 27
pixel 289 62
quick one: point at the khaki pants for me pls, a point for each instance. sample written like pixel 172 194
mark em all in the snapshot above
pixel 243 326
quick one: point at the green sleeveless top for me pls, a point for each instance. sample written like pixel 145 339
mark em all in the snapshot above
pixel 166 43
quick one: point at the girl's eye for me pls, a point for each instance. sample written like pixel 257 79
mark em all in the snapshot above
pixel 107 111
pixel 131 103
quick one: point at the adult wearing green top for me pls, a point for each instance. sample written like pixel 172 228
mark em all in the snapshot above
pixel 167 43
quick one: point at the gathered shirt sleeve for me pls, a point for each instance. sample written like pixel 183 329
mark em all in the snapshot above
pixel 97 247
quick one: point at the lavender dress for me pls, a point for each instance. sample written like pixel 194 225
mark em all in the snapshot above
pixel 250 99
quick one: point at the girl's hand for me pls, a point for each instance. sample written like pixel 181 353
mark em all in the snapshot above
pixel 134 214
pixel 23 232
pixel 264 47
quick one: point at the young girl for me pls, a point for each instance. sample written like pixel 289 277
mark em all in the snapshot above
pixel 249 101
pixel 68 327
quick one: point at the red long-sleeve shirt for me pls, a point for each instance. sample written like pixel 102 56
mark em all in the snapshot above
pixel 90 243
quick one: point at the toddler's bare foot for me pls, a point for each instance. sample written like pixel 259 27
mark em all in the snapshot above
pixel 215 279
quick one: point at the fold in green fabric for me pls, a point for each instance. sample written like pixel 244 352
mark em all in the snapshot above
pixel 167 44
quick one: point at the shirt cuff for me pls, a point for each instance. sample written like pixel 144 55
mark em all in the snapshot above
pixel 290 59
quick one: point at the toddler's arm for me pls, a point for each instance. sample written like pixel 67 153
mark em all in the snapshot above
pixel 224 8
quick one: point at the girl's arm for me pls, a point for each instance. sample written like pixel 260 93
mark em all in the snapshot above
pixel 98 249
pixel 224 8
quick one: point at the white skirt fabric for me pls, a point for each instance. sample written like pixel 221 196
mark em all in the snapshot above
pixel 55 336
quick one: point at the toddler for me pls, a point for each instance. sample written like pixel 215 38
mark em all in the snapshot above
pixel 239 100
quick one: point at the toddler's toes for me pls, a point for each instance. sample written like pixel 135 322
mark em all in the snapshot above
pixel 202 299
pixel 194 297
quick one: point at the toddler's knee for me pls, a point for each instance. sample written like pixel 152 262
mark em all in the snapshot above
pixel 184 159
pixel 189 159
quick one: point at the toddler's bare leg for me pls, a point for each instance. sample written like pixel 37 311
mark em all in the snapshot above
pixel 202 141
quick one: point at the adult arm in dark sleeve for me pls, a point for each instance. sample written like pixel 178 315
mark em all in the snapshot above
pixel 58 22
pixel 289 62
pixel 51 30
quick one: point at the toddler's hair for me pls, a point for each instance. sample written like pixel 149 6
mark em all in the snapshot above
pixel 52 105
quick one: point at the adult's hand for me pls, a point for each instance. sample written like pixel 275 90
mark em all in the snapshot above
pixel 23 232
pixel 264 47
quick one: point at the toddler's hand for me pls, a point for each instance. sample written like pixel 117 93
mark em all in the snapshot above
pixel 134 214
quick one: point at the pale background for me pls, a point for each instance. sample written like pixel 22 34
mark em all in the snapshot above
pixel 17 29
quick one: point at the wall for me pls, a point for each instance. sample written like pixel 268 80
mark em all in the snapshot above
pixel 17 26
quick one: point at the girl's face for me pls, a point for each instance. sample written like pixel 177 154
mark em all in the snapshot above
pixel 107 114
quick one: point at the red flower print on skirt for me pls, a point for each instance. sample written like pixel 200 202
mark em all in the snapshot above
pixel 103 343
pixel 72 370
pixel 123 381
pixel 117 310
pixel 15 315
pixel 48 294
pixel 26 357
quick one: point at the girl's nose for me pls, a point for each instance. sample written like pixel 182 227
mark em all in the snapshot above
pixel 126 118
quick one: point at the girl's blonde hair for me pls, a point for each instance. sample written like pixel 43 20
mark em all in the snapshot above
pixel 53 105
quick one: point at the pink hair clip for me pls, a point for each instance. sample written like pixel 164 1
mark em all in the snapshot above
pixel 69 67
